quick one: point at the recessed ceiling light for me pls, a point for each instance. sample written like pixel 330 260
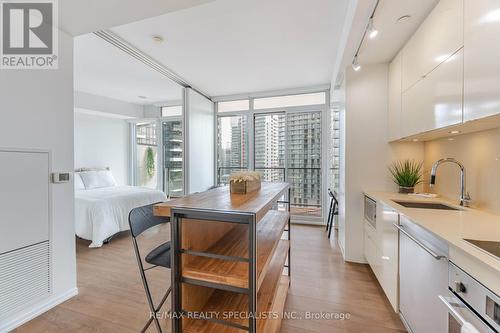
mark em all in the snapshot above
pixel 142 97
pixel 158 39
pixel 415 140
pixel 454 132
pixel 451 139
pixel 404 18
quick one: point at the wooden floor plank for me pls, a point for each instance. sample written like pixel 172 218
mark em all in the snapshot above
pixel 112 297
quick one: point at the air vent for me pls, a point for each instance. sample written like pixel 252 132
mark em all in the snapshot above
pixel 24 277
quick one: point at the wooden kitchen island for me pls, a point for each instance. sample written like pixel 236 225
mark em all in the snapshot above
pixel 230 259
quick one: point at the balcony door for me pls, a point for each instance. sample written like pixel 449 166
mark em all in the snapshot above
pixel 287 147
pixel 303 162
pixel 284 138
pixel 269 146
pixel 173 162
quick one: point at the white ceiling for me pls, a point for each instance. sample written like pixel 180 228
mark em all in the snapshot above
pixel 230 47
pixel 104 70
pixel 78 17
pixel 393 34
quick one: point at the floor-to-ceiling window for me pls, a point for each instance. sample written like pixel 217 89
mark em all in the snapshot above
pixel 284 142
pixel 232 146
pixel 269 146
pixel 334 148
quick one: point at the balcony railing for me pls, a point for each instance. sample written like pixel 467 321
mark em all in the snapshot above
pixel 299 187
pixel 173 182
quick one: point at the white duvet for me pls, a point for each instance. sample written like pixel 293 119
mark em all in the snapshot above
pixel 102 212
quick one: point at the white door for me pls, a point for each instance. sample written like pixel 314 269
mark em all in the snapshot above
pixel 24 199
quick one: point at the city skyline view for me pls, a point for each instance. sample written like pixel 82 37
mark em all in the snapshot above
pixel 286 148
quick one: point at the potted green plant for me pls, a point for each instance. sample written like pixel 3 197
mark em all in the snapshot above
pixel 150 162
pixel 406 174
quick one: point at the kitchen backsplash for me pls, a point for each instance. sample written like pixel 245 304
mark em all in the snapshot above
pixel 480 154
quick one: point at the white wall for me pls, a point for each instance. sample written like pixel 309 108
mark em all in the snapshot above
pixel 36 111
pixel 480 153
pixel 366 152
pixel 102 141
pixel 90 102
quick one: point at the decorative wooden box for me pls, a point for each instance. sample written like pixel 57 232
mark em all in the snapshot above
pixel 246 186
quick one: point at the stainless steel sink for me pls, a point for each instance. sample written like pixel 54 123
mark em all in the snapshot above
pixel 425 205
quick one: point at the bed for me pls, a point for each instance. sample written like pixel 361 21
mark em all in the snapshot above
pixel 102 207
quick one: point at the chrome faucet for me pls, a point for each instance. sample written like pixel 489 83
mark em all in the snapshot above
pixel 464 195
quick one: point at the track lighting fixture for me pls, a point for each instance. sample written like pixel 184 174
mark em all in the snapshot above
pixel 355 65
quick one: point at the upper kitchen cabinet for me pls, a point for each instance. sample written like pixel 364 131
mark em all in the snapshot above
pixel 438 37
pixel 436 100
pixel 482 54
pixel 394 114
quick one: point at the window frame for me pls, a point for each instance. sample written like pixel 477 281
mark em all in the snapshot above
pixel 228 115
pixel 324 110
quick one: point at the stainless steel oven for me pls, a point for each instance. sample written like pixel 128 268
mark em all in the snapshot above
pixel 470 303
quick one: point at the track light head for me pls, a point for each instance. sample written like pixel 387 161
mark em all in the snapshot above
pixel 372 30
pixel 355 65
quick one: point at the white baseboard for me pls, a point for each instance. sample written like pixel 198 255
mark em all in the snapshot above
pixel 37 310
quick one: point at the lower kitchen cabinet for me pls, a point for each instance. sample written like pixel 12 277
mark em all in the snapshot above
pixel 381 251
pixel 423 277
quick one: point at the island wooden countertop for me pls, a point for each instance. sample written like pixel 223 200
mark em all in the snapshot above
pixel 220 199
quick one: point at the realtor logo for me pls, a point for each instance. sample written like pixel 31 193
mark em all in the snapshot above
pixel 28 34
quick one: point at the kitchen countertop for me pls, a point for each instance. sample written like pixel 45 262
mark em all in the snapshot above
pixel 453 226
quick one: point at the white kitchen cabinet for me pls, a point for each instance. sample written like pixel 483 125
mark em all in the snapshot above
pixel 388 252
pixel 436 100
pixel 370 249
pixel 437 38
pixel 482 54
pixel 381 250
pixel 394 114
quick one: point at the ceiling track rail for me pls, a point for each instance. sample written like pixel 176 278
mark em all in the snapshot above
pixel 131 50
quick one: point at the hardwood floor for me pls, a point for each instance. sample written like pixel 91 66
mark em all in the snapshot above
pixel 111 296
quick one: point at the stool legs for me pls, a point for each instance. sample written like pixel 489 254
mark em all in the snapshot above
pixel 329 214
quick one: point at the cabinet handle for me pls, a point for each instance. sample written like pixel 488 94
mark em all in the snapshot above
pixel 419 243
pixel 452 311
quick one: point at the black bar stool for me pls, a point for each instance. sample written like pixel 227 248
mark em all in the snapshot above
pixel 333 211
pixel 141 219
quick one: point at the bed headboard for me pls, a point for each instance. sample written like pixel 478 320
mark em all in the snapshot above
pixel 91 169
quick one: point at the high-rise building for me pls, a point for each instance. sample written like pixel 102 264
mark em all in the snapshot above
pixel 269 146
pixel 238 142
pixel 232 146
pixel 304 160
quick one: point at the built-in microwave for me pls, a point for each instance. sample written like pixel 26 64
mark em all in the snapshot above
pixel 371 211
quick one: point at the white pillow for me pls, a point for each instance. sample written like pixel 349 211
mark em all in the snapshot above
pixel 79 182
pixel 97 179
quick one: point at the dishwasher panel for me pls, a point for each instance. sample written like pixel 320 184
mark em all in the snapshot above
pixel 423 270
